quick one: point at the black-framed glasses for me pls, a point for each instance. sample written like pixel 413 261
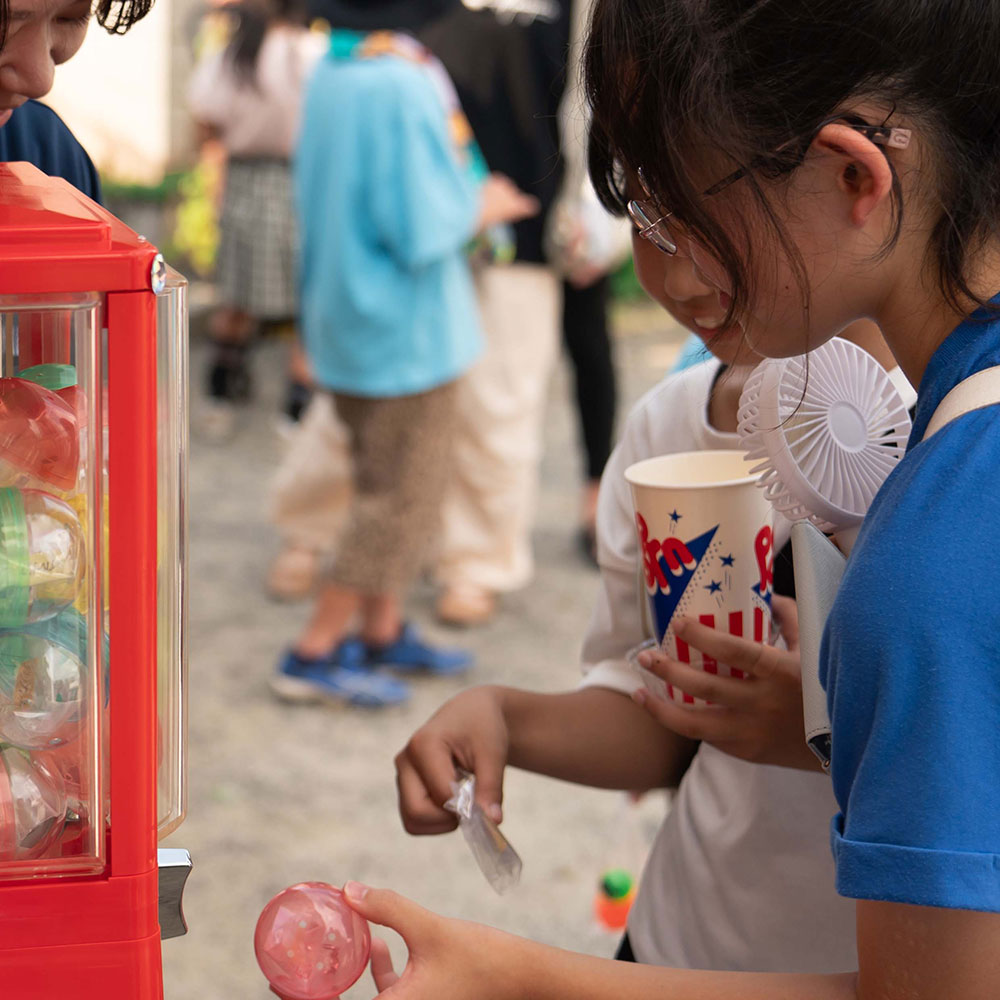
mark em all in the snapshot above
pixel 651 220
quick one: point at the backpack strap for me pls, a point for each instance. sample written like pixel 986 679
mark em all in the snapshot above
pixel 974 393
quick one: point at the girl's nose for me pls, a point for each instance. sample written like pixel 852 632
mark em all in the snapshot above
pixel 682 282
pixel 27 66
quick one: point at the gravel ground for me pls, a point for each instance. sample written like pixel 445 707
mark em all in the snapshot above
pixel 282 794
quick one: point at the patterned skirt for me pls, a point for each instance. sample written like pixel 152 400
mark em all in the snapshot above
pixel 258 248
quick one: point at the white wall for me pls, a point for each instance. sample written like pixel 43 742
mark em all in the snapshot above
pixel 118 97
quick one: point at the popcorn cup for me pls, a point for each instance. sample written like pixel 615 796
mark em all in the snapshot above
pixel 706 542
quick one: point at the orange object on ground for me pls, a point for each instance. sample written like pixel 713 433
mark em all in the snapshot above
pixel 615 896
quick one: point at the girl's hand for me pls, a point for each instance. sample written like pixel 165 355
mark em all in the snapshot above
pixel 450 959
pixel 758 718
pixel 469 731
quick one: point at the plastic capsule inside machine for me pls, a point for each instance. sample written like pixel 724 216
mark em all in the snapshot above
pixel 39 437
pixel 43 689
pixel 32 807
pixel 42 556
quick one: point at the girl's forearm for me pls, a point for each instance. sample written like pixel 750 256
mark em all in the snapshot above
pixel 553 974
pixel 593 736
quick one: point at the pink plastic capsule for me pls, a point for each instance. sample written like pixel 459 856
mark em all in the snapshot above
pixel 310 944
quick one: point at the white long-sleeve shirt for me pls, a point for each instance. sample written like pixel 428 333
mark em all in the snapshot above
pixel 740 876
pixel 258 117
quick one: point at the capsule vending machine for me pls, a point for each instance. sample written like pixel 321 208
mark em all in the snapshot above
pixel 93 423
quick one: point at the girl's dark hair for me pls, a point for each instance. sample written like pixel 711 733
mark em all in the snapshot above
pixel 252 19
pixel 752 80
pixel 117 16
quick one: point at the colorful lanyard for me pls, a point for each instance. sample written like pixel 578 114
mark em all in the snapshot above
pixel 347 45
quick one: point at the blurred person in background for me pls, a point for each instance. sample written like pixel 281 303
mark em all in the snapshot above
pixel 510 65
pixel 308 499
pixel 508 59
pixel 585 244
pixel 248 96
pixel 587 338
pixel 391 189
pixel 35 37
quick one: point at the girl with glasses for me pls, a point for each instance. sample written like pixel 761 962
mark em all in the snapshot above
pixel 821 162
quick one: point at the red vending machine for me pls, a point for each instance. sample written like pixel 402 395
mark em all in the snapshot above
pixel 93 447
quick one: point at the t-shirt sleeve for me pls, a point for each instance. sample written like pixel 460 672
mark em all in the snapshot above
pixel 425 202
pixel 210 91
pixel 616 623
pixel 37 135
pixel 913 654
pixel 88 180
pixel 76 166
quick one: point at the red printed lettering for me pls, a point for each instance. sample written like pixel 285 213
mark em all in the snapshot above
pixel 764 549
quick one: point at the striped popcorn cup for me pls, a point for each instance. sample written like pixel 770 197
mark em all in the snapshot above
pixel 706 542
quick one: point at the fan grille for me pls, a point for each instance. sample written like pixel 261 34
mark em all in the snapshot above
pixel 827 428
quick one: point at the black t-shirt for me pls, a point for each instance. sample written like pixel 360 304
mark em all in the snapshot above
pixel 36 134
pixel 508 62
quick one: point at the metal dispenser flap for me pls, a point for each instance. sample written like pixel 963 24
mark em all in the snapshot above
pixel 819 568
pixel 175 866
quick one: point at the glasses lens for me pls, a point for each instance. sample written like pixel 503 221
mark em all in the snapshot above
pixel 661 239
pixel 643 215
pixel 652 226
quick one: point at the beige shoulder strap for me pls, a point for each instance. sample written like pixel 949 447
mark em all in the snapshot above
pixel 975 393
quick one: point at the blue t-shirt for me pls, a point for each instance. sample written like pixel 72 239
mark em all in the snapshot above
pixel 911 661
pixel 386 210
pixel 693 352
pixel 36 134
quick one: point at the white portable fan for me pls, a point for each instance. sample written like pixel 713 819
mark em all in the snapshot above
pixel 827 428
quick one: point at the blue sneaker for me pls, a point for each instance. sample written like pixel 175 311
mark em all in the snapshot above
pixel 410 654
pixel 342 676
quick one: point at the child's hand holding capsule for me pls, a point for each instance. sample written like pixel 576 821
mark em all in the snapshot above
pixel 757 718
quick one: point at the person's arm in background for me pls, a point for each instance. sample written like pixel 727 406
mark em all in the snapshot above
pixel 426 203
pixel 582 241
pixel 210 92
pixel 574 114
pixel 209 95
pixel 595 735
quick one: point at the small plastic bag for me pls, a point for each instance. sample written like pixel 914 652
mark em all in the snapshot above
pixel 497 860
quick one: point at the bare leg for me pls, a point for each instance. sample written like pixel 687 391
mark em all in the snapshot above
pixel 299 369
pixel 228 374
pixel 232 326
pixel 381 618
pixel 332 615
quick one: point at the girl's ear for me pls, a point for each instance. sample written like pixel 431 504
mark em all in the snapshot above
pixel 863 172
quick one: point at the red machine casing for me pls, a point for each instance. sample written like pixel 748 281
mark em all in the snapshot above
pixel 97 937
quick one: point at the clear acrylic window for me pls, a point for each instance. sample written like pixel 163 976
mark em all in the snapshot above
pixel 53 639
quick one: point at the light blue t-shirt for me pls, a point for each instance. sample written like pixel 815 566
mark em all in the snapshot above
pixel 693 352
pixel 386 211
pixel 911 662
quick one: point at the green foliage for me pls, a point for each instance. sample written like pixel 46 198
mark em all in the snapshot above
pixel 196 230
pixel 156 194
pixel 625 285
